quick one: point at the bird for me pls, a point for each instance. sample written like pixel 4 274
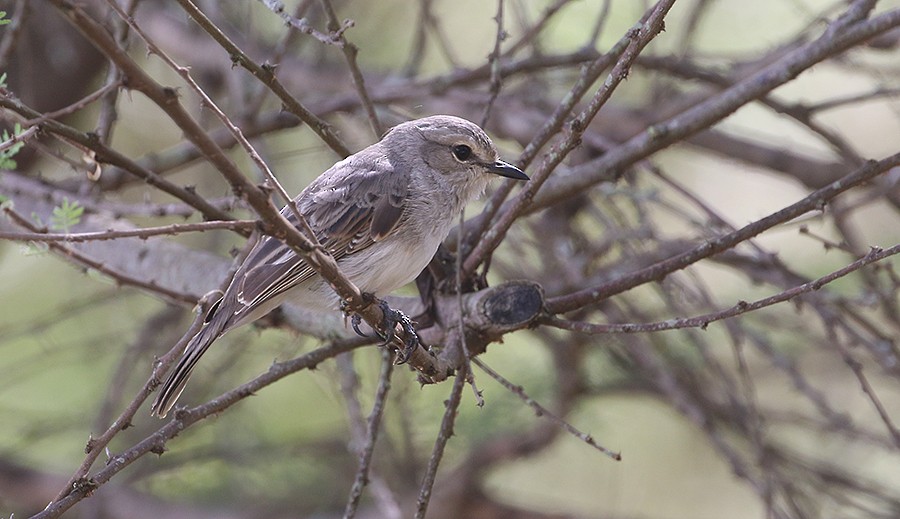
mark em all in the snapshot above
pixel 381 213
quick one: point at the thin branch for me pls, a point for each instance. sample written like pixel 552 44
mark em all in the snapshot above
pixel 640 35
pixel 702 321
pixel 705 114
pixel 551 127
pixel 186 418
pixel 451 407
pixel 600 23
pixel 266 74
pixel 461 321
pixel 815 201
pixel 105 154
pixel 530 36
pixel 494 62
pixel 185 74
pixel 542 411
pixel 98 445
pixel 839 102
pixel 86 261
pixel 79 105
pixel 373 426
pixel 332 38
pixel 350 51
pixel 146 232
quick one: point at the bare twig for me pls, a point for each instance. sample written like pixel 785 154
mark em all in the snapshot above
pixel 108 155
pixel 714 109
pixel 373 426
pixel 742 307
pixel 86 261
pixel 76 106
pixel 185 418
pixel 332 38
pixel 146 232
pixel 815 201
pixel 266 74
pixel 451 406
pixel 542 411
pixel 350 52
pixel 494 62
pixel 640 36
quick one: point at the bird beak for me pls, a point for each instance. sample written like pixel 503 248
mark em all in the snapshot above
pixel 505 169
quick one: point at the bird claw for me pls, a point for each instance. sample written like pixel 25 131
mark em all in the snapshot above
pixel 391 319
pixel 355 321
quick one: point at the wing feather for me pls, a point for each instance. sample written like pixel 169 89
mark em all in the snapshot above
pixel 351 206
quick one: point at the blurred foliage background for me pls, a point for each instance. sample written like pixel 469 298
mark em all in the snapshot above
pixel 792 435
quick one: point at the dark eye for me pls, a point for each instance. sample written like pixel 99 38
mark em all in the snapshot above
pixel 462 152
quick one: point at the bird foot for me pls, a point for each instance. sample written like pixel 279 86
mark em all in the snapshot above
pixel 391 319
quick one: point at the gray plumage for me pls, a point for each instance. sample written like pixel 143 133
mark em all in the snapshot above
pixel 381 213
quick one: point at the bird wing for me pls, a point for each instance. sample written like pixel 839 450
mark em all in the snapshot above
pixel 351 206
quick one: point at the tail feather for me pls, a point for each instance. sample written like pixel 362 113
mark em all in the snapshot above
pixel 179 376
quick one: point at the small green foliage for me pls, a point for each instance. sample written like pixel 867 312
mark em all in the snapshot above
pixel 35 248
pixel 3 19
pixel 3 80
pixel 66 215
pixel 6 156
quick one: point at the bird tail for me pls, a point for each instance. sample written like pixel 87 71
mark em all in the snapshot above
pixel 179 376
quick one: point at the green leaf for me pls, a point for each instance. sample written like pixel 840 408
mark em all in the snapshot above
pixel 34 248
pixel 66 215
pixel 6 156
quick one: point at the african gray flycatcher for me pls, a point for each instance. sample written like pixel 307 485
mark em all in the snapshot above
pixel 381 213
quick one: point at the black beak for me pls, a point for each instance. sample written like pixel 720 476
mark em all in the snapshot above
pixel 504 169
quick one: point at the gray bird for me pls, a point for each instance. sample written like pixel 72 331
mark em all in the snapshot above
pixel 381 213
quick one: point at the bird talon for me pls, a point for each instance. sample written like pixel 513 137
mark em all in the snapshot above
pixel 355 321
pixel 411 339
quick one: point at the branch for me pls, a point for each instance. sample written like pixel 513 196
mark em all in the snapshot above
pixel 266 75
pixel 373 426
pixel 146 232
pixel 711 111
pixel 815 201
pixel 108 155
pixel 542 411
pixel 875 254
pixel 185 418
pixel 350 51
pixel 451 406
pixel 334 38
pixel 86 261
pixel 640 36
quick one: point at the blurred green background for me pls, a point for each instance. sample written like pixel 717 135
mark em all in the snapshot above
pixel 63 331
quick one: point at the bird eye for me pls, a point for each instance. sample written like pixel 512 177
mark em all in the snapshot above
pixel 462 152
